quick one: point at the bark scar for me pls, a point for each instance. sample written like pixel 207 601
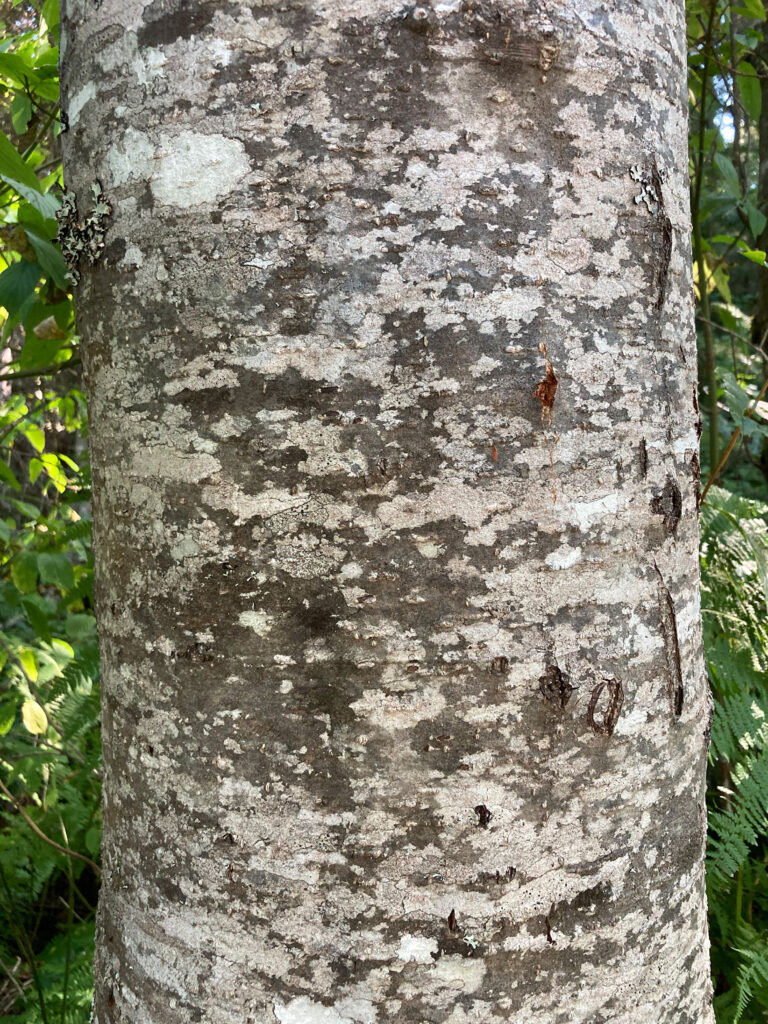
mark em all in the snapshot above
pixel 548 926
pixel 613 709
pixel 643 457
pixel 652 195
pixel 665 255
pixel 483 815
pixel 669 504
pixel 556 686
pixel 675 690
pixel 546 389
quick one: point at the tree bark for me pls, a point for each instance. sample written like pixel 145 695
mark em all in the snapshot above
pixel 392 379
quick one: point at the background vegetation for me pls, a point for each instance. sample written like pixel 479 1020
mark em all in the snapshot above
pixel 49 694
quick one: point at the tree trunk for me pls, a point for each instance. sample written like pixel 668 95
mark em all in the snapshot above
pixel 391 367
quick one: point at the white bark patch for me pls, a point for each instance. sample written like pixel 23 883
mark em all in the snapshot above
pixel 417 948
pixel 586 513
pixel 399 711
pixel 444 502
pixel 184 548
pixel 130 158
pixel 484 365
pixel 78 101
pixel 259 621
pixel 193 169
pixel 305 1011
pixel 133 257
pixel 246 506
pixel 201 379
pixel 184 170
pixel 460 973
pixel 169 464
pixel 564 557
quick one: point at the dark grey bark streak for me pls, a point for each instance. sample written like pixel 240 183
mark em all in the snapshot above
pixel 390 365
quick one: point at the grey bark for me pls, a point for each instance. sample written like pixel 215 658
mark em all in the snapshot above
pixel 392 381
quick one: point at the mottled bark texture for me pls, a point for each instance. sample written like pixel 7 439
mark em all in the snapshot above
pixel 392 377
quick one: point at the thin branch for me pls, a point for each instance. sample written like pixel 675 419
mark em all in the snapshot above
pixel 51 842
pixel 42 371
pixel 731 445
pixel 12 978
pixel 731 333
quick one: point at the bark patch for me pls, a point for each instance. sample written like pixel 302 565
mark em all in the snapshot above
pixel 189 20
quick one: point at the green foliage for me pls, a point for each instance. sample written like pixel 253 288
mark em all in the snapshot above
pixel 728 70
pixel 734 560
pixel 49 696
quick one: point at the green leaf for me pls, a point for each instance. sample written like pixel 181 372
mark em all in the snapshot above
pixel 739 402
pixel 738 399
pixel 48 61
pixel 34 434
pixel 48 90
pixel 749 87
pixel 92 839
pixel 21 113
pixel 26 509
pixel 755 255
pixel 62 647
pixel 33 717
pixel 79 626
pixel 39 352
pixel 729 175
pixel 13 168
pixel 751 9
pixel 7 715
pixel 50 259
pixel 56 569
pixel 36 608
pixel 45 202
pixel 757 219
pixel 8 476
pixel 722 281
pixel 17 285
pixel 13 66
pixel 50 15
pixel 28 663
pixel 24 572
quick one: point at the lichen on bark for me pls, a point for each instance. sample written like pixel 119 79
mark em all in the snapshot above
pixel 388 733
